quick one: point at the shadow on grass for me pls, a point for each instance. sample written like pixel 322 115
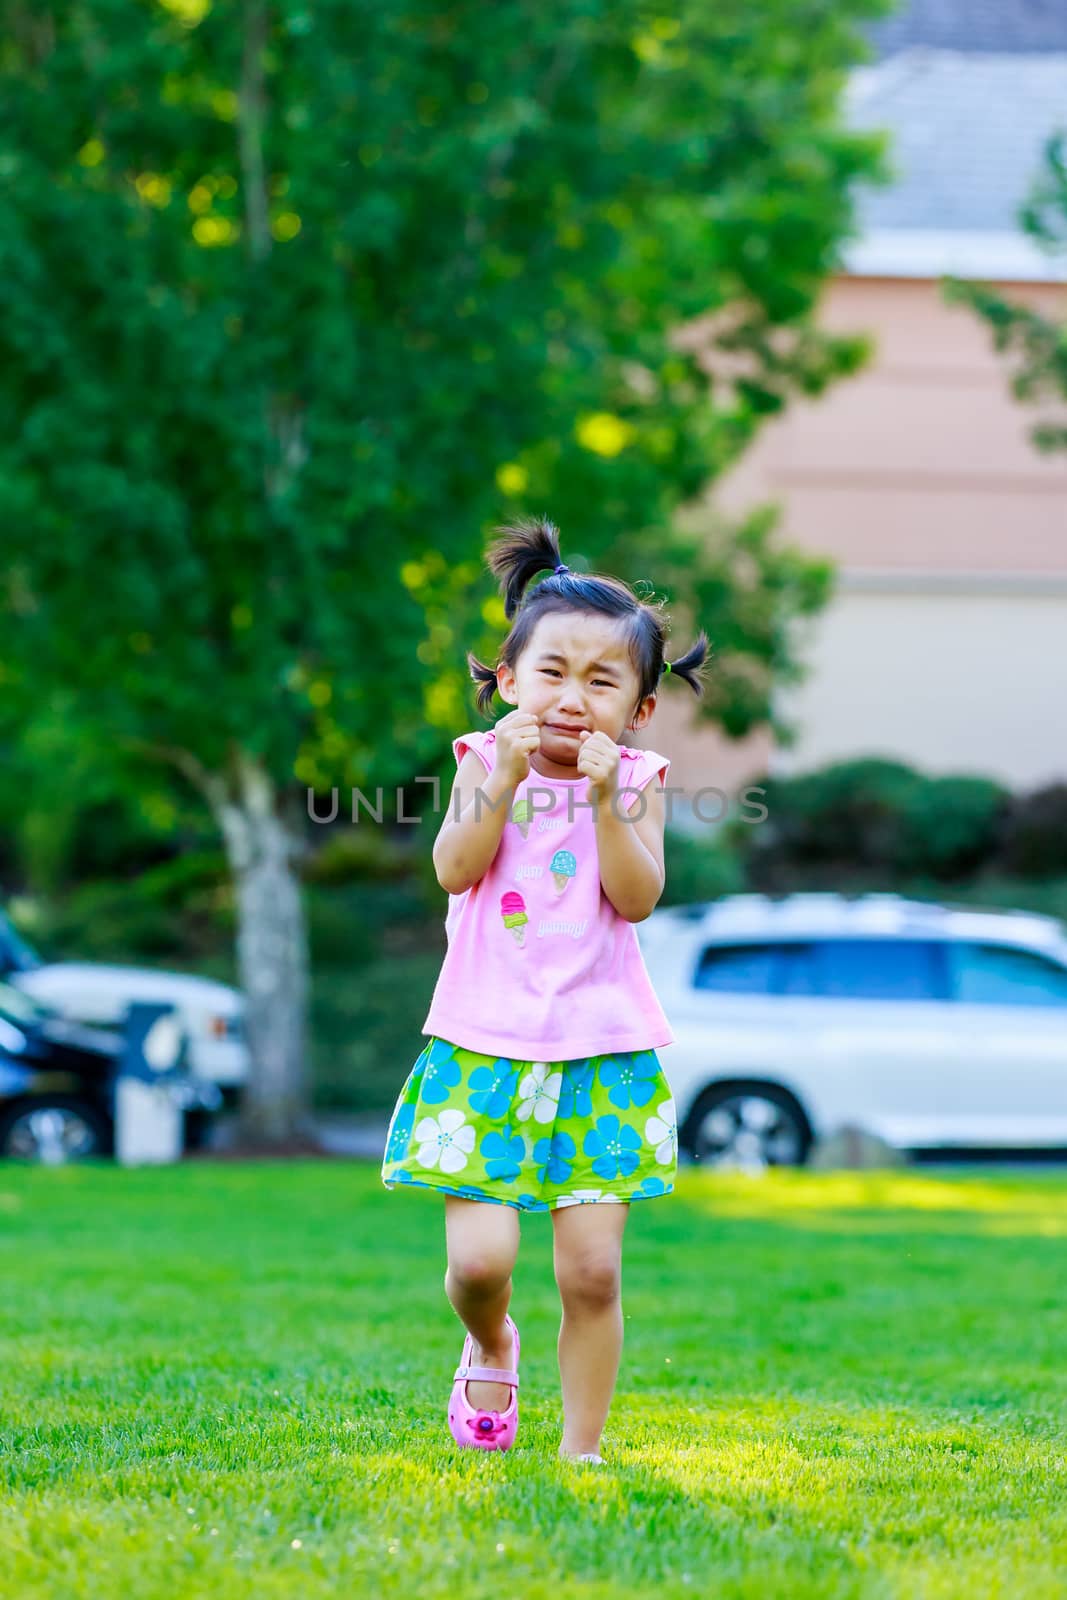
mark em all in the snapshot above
pixel 749 1495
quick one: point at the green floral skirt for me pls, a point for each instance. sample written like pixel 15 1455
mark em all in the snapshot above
pixel 534 1134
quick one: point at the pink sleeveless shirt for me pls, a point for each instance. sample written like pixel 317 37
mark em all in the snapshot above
pixel 540 966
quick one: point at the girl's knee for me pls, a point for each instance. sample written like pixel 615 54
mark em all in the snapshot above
pixel 590 1282
pixel 479 1273
pixel 482 1243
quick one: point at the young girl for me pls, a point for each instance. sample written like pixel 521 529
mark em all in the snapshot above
pixel 540 1088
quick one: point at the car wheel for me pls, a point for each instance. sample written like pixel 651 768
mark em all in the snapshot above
pixel 198 1129
pixel 750 1126
pixel 53 1130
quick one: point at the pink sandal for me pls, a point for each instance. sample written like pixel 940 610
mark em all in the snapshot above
pixel 472 1428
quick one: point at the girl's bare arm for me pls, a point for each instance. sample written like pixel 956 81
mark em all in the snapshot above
pixel 464 849
pixel 630 848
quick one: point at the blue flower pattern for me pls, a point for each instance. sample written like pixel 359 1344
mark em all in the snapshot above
pixel 575 1094
pixel 442 1074
pixel 604 1103
pixel 493 1088
pixel 615 1146
pixel 630 1079
pixel 555 1157
pixel 503 1153
pixel 400 1137
pixel 653 1185
pixel 436 1051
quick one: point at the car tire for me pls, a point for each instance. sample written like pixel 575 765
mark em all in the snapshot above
pixel 199 1126
pixel 53 1130
pixel 747 1124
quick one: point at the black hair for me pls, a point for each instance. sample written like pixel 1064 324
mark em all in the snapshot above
pixel 523 549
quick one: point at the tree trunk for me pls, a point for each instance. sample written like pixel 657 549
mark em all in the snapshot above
pixel 272 957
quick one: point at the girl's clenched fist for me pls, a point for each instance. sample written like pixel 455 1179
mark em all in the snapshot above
pixel 518 735
pixel 598 760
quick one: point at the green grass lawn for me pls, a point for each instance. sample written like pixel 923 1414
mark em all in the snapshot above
pixel 230 1380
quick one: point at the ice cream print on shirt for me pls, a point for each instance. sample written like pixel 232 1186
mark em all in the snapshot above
pixel 513 911
pixel 562 867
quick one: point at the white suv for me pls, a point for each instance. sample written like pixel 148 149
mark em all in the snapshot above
pixel 930 1027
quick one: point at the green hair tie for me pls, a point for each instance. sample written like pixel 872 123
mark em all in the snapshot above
pixel 666 666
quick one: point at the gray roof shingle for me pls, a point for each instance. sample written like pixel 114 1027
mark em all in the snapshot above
pixel 997 27
pixel 967 135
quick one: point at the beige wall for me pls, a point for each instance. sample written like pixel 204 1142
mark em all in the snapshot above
pixel 955 681
pixel 947 642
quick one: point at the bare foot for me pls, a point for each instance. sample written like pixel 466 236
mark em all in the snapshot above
pixel 491 1396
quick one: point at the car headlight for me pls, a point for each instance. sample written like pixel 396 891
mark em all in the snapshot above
pixel 12 1039
pixel 163 1044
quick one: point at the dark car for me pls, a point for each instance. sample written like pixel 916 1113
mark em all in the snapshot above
pixel 58 1078
pixel 56 1083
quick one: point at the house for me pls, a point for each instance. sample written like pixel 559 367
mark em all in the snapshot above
pixel 946 642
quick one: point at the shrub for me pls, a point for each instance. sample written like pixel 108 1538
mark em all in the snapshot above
pixel 1035 833
pixel 845 814
pixel 364 1028
pixel 875 817
pixel 951 827
pixel 700 867
pixel 111 922
pixel 353 854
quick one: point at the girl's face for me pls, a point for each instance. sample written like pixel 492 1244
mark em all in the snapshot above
pixel 575 675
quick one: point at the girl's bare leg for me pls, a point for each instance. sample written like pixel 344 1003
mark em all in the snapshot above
pixel 588 1263
pixel 483 1242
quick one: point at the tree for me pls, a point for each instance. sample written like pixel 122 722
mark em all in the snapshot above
pixel 297 301
pixel 1039 343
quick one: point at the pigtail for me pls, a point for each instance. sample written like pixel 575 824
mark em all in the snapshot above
pixel 689 665
pixel 522 550
pixel 485 678
pixel 519 552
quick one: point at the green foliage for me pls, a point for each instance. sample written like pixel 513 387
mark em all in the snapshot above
pixel 994 890
pixel 180 912
pixel 355 923
pixel 878 817
pixel 376 949
pixel 74 807
pixel 952 826
pixel 350 855
pixel 296 302
pixel 365 1029
pixel 1037 344
pixel 1035 843
pixel 105 922
pixel 847 812
pixel 700 866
